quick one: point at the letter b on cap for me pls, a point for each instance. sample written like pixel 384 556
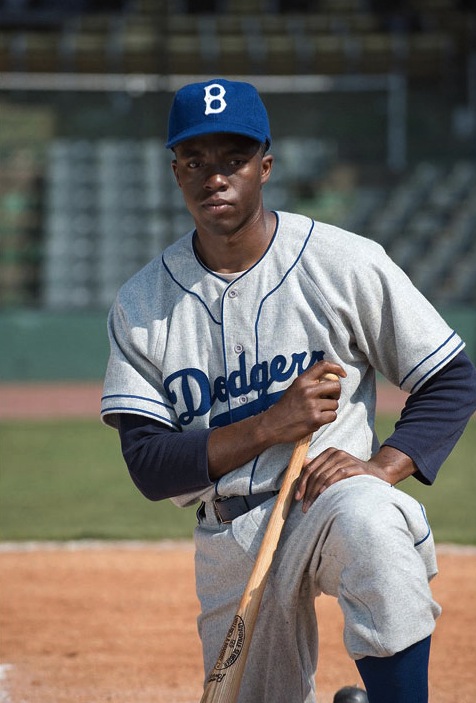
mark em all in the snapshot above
pixel 213 98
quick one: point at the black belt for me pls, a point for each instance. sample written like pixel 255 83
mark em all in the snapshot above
pixel 227 509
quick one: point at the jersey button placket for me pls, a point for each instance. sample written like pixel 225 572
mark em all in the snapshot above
pixel 238 348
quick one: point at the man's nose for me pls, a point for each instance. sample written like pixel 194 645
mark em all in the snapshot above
pixel 216 178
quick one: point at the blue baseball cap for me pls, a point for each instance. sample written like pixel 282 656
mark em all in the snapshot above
pixel 218 105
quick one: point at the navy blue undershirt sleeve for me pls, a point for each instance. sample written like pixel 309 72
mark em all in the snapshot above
pixel 434 417
pixel 164 463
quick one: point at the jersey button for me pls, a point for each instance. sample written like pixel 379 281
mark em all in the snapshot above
pixel 238 348
pixel 243 399
pixel 232 293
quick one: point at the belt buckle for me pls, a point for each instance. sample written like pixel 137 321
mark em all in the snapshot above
pixel 218 516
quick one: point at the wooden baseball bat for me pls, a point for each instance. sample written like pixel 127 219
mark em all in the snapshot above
pixel 223 683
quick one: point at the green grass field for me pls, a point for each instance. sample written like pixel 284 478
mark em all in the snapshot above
pixel 66 480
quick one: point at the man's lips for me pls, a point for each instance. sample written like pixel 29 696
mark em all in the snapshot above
pixel 218 204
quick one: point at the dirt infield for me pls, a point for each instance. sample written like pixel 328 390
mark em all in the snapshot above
pixel 83 399
pixel 98 623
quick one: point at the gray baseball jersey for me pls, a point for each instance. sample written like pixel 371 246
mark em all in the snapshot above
pixel 193 350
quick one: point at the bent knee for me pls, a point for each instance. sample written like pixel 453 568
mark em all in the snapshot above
pixel 369 515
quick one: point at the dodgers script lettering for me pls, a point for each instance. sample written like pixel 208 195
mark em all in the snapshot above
pixel 192 387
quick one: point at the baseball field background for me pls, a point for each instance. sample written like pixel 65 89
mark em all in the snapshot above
pixel 98 600
pixel 65 479
pixel 373 108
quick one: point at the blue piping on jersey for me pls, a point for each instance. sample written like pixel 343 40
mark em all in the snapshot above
pixel 139 411
pixel 225 280
pixel 255 463
pixel 426 359
pixel 216 487
pixel 280 284
pixel 250 487
pixel 225 365
pixel 230 285
pixel 442 363
pixel 260 310
pixel 417 544
pixel 190 292
pixel 137 397
pixel 187 290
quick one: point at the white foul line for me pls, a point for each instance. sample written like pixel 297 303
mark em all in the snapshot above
pixel 4 669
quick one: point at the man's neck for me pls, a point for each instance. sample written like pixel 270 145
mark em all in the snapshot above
pixel 236 252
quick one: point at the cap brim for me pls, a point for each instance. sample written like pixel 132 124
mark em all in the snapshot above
pixel 214 129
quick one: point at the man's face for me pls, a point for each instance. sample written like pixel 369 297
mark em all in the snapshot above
pixel 221 176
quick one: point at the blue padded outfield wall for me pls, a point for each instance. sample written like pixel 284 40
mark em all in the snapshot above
pixel 73 346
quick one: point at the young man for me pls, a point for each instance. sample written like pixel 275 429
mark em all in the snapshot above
pixel 217 347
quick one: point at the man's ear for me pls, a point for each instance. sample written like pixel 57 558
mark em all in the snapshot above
pixel 266 167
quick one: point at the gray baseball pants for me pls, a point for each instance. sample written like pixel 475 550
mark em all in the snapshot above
pixel 363 541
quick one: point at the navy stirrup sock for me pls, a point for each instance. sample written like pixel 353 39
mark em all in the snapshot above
pixel 402 678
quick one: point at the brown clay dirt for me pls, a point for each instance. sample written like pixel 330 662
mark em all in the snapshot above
pixel 83 399
pixel 101 623
pixel 98 623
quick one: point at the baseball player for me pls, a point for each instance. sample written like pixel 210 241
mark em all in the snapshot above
pixel 217 347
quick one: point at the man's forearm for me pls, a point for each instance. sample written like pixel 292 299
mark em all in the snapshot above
pixel 234 445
